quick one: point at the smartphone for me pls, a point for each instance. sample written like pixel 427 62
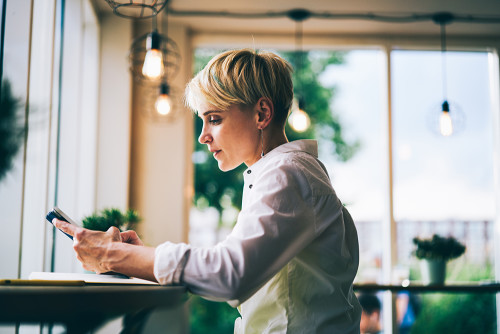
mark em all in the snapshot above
pixel 59 214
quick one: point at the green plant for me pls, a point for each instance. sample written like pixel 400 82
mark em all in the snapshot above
pixel 209 317
pixel 11 129
pixel 103 220
pixel 459 313
pixel 438 248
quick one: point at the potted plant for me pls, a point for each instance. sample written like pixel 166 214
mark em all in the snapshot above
pixel 436 252
pixel 103 220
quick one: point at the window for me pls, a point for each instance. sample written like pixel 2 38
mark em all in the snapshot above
pixel 52 70
pixel 443 185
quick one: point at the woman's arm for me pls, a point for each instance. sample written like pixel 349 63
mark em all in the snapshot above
pixel 111 251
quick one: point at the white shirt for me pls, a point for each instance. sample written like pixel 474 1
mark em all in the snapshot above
pixel 289 262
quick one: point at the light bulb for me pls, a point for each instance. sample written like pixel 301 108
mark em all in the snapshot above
pixel 445 124
pixel 153 64
pixel 299 120
pixel 163 105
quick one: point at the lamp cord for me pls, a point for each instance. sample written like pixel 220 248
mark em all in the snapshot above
pixel 443 59
pixel 298 45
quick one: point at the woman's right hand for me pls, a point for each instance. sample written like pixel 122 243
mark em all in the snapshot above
pixel 131 237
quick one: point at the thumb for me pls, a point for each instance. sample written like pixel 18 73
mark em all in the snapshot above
pixel 65 226
pixel 115 233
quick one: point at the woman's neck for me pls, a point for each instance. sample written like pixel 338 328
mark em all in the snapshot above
pixel 273 138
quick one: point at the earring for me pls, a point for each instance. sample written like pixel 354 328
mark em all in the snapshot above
pixel 262 143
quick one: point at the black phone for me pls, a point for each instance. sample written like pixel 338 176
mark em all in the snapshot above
pixel 59 214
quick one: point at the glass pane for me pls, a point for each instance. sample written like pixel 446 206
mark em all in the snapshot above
pixel 12 119
pixel 359 99
pixel 15 76
pixel 443 185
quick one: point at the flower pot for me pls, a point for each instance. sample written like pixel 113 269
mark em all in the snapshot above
pixel 433 271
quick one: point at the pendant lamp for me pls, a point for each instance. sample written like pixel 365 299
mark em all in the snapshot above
pixel 160 103
pixel 137 9
pixel 154 61
pixel 299 119
pixel 154 57
pixel 447 118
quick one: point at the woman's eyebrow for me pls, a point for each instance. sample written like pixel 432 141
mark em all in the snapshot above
pixel 208 112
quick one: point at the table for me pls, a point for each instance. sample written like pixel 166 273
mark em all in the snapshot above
pixel 83 308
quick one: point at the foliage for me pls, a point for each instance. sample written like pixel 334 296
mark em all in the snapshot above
pixel 220 190
pixel 11 130
pixel 438 248
pixel 459 313
pixel 208 317
pixel 316 99
pixel 103 220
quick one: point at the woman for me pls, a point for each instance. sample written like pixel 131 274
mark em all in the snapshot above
pixel 291 258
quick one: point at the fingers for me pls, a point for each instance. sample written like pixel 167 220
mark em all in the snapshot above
pixel 131 237
pixel 65 226
pixel 92 247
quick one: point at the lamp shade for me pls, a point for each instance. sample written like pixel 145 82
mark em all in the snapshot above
pixel 160 104
pixel 166 53
pixel 137 9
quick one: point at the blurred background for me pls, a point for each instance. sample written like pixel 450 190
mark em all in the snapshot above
pixel 85 127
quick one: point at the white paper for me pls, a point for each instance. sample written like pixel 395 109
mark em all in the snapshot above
pixel 89 278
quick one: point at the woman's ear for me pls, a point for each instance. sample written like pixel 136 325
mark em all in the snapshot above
pixel 265 112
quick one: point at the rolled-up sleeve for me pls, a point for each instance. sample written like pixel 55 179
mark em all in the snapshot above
pixel 170 259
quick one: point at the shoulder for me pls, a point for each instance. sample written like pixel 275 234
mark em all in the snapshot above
pixel 300 168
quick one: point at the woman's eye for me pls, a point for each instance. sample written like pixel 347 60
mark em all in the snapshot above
pixel 214 120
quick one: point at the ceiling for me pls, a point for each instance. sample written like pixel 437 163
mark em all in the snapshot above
pixel 213 20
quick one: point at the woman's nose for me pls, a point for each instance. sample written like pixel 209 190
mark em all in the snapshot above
pixel 204 137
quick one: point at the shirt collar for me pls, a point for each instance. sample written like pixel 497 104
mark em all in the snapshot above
pixel 309 146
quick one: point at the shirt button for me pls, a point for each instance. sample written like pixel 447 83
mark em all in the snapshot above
pixel 249 171
pixel 250 186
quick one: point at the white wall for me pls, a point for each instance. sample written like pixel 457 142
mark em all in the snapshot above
pixel 161 172
pixel 113 149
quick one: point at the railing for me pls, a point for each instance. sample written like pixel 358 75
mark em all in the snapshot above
pixel 477 235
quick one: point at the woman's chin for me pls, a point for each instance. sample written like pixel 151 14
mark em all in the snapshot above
pixel 225 167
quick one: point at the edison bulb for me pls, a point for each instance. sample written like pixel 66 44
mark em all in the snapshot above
pixel 445 124
pixel 163 105
pixel 153 64
pixel 299 120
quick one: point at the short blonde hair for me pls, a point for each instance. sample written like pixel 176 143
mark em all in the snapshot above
pixel 242 77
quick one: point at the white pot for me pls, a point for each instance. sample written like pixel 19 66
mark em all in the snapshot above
pixel 433 271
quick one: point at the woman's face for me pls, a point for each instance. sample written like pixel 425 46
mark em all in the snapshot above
pixel 231 135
